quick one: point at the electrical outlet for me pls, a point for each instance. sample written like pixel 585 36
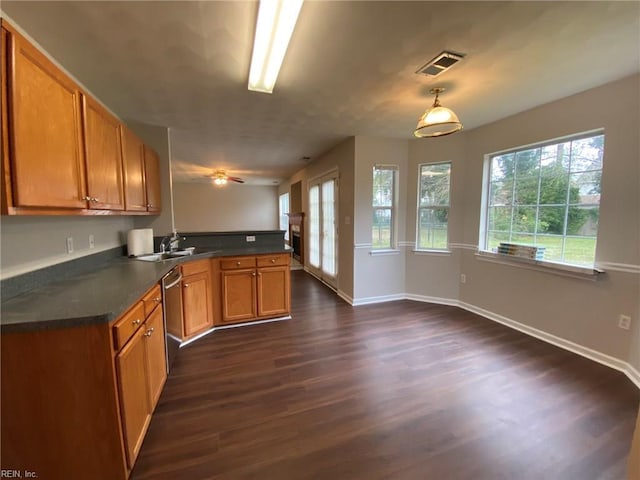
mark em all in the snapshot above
pixel 251 238
pixel 463 278
pixel 624 322
pixel 92 242
pixel 69 244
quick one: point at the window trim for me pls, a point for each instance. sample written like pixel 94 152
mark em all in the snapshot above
pixel 434 250
pixel 393 243
pixel 483 250
pixel 282 214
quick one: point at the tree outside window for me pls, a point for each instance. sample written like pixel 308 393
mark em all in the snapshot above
pixel 384 186
pixel 548 196
pixel 433 206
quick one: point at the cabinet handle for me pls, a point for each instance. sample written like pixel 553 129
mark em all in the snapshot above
pixel 95 199
pixel 149 332
pixel 238 264
pixel 253 274
pixel 157 299
pixel 88 199
pixel 137 321
pixel 186 285
pixel 149 205
pixel 273 260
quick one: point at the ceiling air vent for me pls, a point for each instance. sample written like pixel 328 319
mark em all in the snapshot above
pixel 443 62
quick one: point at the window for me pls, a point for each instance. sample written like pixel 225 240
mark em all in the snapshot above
pixel 547 195
pixel 433 206
pixel 284 218
pixel 384 192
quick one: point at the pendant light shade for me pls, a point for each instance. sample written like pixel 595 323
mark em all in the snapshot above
pixel 437 120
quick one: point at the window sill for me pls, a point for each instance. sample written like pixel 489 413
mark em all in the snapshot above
pixel 385 251
pixel 431 251
pixel 574 271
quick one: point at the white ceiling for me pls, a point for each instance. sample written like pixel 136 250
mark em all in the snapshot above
pixel 349 69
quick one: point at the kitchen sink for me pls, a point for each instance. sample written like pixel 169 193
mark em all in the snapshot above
pixel 158 257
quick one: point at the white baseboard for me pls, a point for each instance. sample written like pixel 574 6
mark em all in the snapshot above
pixel 224 327
pixel 436 300
pixel 381 299
pixel 602 358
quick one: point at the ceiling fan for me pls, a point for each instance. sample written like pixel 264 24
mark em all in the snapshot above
pixel 220 177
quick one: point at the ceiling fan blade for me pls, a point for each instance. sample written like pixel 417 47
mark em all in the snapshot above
pixel 235 179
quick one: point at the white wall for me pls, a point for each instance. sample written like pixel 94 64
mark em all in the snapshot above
pixel 580 311
pixel 30 243
pixel 435 275
pixel 203 207
pixel 367 267
pixel 342 158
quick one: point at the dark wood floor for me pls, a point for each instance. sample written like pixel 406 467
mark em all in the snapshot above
pixel 400 390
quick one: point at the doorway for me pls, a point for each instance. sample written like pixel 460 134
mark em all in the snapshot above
pixel 323 232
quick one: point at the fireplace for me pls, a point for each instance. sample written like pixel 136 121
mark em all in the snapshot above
pixel 296 235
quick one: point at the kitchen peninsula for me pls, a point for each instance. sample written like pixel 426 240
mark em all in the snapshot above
pixel 83 357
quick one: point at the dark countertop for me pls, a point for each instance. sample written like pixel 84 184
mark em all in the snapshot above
pixel 99 296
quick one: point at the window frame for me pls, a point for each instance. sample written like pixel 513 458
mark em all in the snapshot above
pixel 420 207
pixel 483 240
pixel 282 214
pixel 393 234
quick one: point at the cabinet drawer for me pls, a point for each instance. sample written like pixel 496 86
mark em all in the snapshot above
pixel 124 328
pixel 152 298
pixel 198 266
pixel 272 260
pixel 237 262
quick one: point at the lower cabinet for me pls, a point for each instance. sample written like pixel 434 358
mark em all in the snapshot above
pixel 255 287
pixel 77 401
pixel 196 297
pixel 141 370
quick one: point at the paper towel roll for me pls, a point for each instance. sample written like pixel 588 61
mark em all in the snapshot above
pixel 140 241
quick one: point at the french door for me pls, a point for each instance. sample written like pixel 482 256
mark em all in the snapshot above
pixel 323 232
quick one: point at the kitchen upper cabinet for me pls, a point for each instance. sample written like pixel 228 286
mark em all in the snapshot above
pixel 196 297
pixel 135 407
pixel 45 168
pixel 135 196
pixel 103 155
pixel 62 152
pixel 152 180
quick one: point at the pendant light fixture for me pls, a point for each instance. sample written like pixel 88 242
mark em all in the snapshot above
pixel 437 120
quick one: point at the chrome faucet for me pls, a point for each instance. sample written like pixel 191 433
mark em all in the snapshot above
pixel 169 243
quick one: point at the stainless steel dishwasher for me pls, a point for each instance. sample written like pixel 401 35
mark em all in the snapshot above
pixel 172 305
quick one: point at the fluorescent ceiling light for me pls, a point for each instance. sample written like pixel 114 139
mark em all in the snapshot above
pixel 276 21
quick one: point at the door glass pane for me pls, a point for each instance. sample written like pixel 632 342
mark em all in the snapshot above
pixel 328 229
pixel 314 226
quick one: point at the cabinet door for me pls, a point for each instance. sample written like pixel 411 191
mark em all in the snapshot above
pixel 47 163
pixel 238 295
pixel 135 196
pixel 133 389
pixel 156 355
pixel 103 157
pixel 273 291
pixel 152 180
pixel 196 298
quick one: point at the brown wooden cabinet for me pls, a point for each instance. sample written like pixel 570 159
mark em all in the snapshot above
pixel 103 156
pixel 134 397
pixel 62 152
pixel 135 195
pixel 255 287
pixel 273 291
pixel 141 369
pixel 152 180
pixel 238 295
pixel 196 298
pixel 45 168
